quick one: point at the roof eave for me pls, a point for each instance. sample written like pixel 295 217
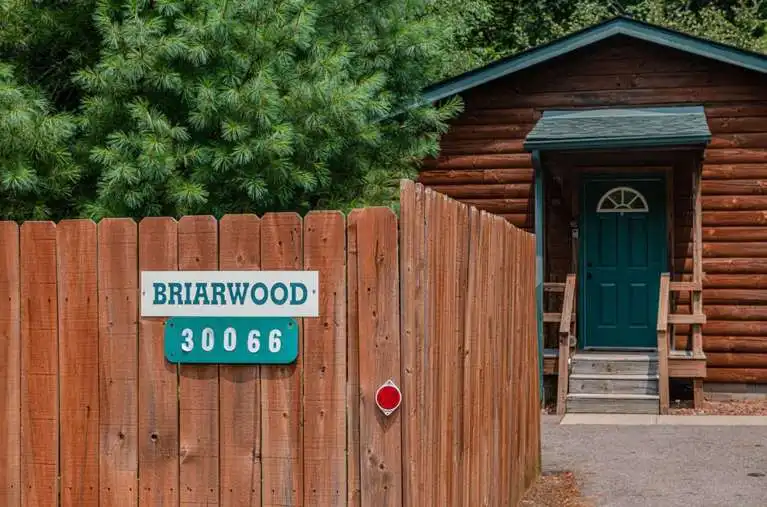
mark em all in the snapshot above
pixel 617 26
pixel 522 61
pixel 615 143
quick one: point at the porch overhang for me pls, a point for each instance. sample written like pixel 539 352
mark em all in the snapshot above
pixel 615 128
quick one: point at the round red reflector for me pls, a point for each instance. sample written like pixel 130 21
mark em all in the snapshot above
pixel 388 397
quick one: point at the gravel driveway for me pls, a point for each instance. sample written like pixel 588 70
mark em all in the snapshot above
pixel 661 466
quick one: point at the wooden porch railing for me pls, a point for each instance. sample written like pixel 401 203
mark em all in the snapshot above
pixel 565 333
pixel 666 334
pixel 662 328
pixel 566 321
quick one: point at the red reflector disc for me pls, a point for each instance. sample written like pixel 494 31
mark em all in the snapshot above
pixel 388 397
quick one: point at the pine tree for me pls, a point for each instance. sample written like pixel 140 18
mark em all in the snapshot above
pixel 518 25
pixel 37 172
pixel 47 41
pixel 254 105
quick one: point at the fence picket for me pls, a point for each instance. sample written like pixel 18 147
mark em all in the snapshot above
pixel 379 355
pixel 158 382
pixel 429 416
pixel 412 265
pixel 354 487
pixel 444 255
pixel 469 436
pixel 10 366
pixel 39 365
pixel 527 311
pixel 198 384
pixel 281 411
pixel 118 374
pixel 485 353
pixel 510 285
pixel 78 363
pixel 324 356
pixel 528 384
pixel 239 386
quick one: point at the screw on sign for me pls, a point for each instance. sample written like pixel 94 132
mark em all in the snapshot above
pixel 388 397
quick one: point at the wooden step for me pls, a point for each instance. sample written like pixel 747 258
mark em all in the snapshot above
pixel 613 403
pixel 617 356
pixel 628 363
pixel 595 383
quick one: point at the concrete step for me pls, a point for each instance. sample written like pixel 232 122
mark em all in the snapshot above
pixel 615 363
pixel 595 383
pixel 613 403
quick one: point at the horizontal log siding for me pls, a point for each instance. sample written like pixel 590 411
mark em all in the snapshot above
pixel 482 162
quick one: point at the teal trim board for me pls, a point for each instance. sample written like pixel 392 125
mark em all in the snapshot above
pixel 622 255
pixel 618 26
pixel 631 127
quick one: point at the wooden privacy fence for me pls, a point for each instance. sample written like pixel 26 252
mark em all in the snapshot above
pixel 444 306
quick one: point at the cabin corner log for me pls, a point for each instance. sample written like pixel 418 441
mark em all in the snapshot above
pixel 736 360
pixel 735 234
pixel 733 203
pixel 734 171
pixel 485 191
pixel 491 131
pixel 730 296
pixel 739 344
pixel 735 312
pixel 737 266
pixel 746 249
pixel 734 187
pixel 737 375
pixel 487 161
pixel 735 156
pixel 729 328
pixel 482 147
pixel 482 176
pixel 734 281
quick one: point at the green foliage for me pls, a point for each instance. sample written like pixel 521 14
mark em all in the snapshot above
pixel 47 41
pixel 220 107
pixel 37 174
pixel 146 107
pixel 519 25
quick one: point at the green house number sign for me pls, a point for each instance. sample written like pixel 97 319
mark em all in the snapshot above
pixel 231 340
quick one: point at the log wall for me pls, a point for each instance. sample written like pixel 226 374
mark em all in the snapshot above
pixel 482 161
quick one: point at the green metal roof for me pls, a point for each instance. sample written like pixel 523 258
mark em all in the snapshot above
pixel 596 33
pixel 619 128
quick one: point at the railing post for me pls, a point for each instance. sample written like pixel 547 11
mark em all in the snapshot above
pixel 565 327
pixel 662 328
pixel 697 265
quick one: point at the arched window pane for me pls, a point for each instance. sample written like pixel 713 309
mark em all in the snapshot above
pixel 622 199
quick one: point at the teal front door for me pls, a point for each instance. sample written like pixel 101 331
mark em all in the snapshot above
pixel 623 253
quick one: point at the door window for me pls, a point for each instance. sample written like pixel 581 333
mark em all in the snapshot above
pixel 623 200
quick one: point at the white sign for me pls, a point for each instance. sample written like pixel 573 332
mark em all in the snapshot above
pixel 229 294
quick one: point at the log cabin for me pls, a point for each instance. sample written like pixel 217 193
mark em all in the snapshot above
pixel 637 155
